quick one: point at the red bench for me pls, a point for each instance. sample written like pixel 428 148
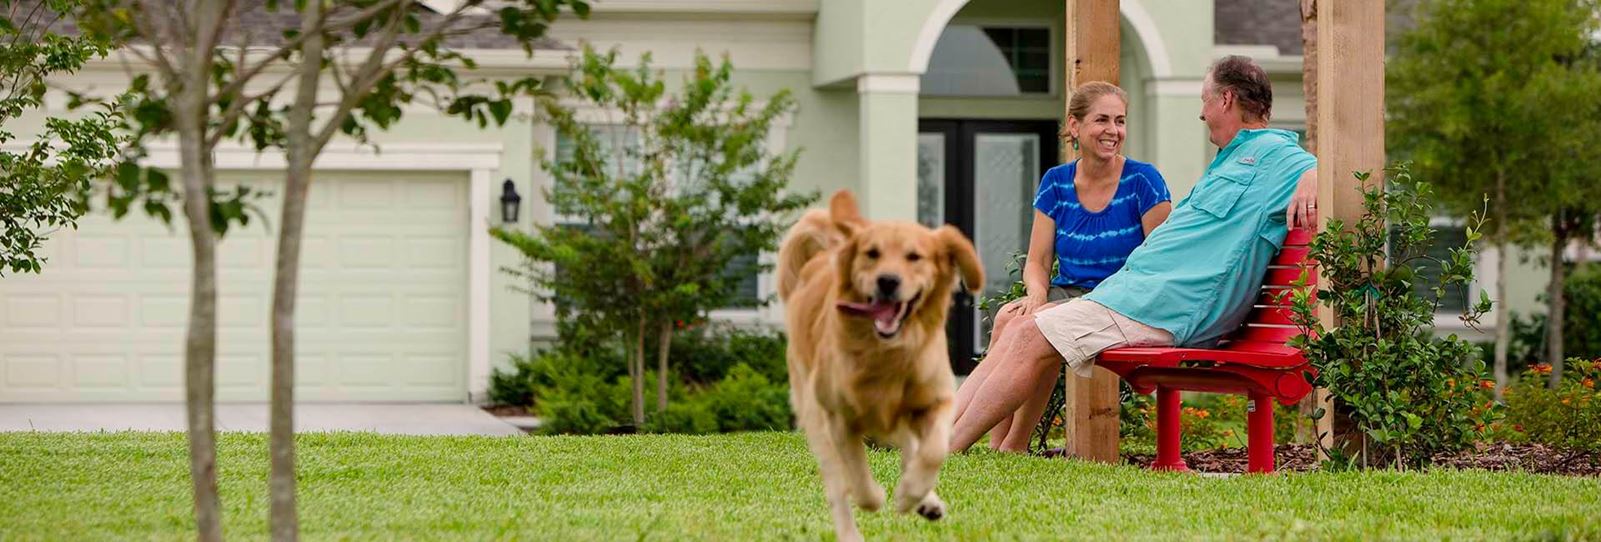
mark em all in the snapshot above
pixel 1253 361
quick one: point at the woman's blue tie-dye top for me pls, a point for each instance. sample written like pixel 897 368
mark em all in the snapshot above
pixel 1090 246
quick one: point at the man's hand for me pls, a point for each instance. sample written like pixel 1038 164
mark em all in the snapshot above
pixel 1302 212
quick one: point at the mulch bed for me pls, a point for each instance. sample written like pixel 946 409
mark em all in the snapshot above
pixel 1535 458
pixel 1287 458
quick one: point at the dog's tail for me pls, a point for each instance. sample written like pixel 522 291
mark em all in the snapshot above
pixel 815 233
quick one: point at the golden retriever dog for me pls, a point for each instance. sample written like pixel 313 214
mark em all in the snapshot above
pixel 865 306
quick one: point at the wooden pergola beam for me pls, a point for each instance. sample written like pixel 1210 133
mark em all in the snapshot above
pixel 1092 54
pixel 1350 120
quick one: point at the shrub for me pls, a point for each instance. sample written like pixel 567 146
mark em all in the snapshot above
pixel 1408 394
pixel 1581 328
pixel 1568 417
pixel 704 354
pixel 732 380
pixel 748 401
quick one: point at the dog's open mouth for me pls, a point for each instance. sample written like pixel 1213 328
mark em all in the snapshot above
pixel 887 315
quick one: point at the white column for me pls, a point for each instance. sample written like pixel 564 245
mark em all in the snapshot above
pixel 887 158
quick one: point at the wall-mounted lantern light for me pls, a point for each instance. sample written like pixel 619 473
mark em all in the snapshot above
pixel 510 202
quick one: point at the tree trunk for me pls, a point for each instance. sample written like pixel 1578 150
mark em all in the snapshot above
pixel 284 520
pixel 638 362
pixel 661 365
pixel 1559 304
pixel 1503 335
pixel 200 346
pixel 190 84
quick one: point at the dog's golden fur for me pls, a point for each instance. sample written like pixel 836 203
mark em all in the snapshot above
pixel 840 277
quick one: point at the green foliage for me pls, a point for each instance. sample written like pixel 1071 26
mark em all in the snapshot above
pixel 1487 92
pixel 732 380
pixel 707 353
pixel 413 65
pixel 1568 417
pixel 41 183
pixel 1407 391
pixel 744 401
pixel 1582 322
pixel 685 187
pixel 1583 319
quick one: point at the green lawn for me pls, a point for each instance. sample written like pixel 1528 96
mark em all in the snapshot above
pixel 732 487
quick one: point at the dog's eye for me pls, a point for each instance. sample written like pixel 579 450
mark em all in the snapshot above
pixel 913 256
pixel 872 253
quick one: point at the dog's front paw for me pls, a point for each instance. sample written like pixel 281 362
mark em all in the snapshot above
pixel 871 500
pixel 930 507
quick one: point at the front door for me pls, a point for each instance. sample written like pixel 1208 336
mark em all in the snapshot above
pixel 980 175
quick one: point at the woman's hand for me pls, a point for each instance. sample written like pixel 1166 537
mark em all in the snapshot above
pixel 1027 305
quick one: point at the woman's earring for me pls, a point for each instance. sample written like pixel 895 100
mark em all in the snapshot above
pixel 1075 144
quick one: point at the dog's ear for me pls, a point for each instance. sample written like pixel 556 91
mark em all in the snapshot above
pixel 961 255
pixel 842 210
pixel 845 260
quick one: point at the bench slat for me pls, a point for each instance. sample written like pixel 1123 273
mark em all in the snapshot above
pixel 1266 334
pixel 1286 276
pixel 1272 314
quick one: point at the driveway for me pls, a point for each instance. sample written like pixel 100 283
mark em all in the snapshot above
pixel 394 418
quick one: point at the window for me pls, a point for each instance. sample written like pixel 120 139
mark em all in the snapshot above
pixel 973 60
pixel 748 291
pixel 1427 273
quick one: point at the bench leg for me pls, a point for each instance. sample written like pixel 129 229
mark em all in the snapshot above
pixel 1259 429
pixel 1167 431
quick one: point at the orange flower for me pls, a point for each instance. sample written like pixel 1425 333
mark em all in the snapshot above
pixel 1567 400
pixel 1542 368
pixel 1518 427
pixel 1487 384
pixel 1588 383
pixel 1479 428
pixel 1450 382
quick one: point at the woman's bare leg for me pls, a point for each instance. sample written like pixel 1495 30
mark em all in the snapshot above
pixel 1027 417
pixel 1022 361
pixel 964 395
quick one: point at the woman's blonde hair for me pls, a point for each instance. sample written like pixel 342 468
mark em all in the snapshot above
pixel 1086 95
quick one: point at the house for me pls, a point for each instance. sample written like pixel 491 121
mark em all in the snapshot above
pixel 935 110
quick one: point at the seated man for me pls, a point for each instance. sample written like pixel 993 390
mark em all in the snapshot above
pixel 1194 278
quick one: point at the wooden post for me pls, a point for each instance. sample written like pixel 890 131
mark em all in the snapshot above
pixel 1350 118
pixel 1092 54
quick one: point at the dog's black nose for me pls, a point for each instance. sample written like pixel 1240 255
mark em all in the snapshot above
pixel 888 285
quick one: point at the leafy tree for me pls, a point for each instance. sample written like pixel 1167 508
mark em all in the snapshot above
pixel 1468 104
pixel 41 183
pixel 673 191
pixel 208 93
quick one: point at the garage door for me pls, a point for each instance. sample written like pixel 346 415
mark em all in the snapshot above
pixel 382 310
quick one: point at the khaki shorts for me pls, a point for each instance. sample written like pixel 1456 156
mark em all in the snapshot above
pixel 1081 329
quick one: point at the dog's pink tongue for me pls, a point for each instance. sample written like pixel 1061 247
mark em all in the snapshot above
pixel 878 310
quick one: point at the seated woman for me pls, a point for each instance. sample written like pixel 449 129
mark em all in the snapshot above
pixel 1088 216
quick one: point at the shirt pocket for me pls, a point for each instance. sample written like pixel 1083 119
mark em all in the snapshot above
pixel 1228 185
pixel 1274 229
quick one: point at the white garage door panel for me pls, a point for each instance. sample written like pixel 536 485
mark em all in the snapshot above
pixel 382 310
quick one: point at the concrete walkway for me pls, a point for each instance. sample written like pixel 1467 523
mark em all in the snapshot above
pixel 395 419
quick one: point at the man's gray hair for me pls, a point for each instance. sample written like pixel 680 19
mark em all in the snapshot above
pixel 1247 81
